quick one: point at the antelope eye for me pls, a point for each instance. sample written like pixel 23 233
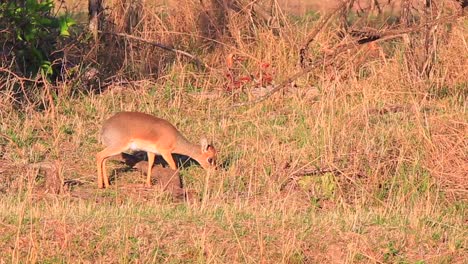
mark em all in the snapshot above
pixel 210 160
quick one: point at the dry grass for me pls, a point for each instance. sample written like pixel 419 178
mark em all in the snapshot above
pixel 392 146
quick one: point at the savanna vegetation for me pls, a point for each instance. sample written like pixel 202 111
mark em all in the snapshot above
pixel 341 129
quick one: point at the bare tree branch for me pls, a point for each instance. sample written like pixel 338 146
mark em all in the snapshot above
pixel 198 61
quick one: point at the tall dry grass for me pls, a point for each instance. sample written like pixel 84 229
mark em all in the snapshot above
pixel 363 160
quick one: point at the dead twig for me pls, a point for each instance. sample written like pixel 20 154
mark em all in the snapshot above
pixel 197 60
pixel 313 171
pixel 21 81
pixel 295 176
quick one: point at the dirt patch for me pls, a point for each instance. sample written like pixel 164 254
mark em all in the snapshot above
pixel 47 178
pixel 166 183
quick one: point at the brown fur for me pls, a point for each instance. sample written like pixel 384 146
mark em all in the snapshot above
pixel 134 130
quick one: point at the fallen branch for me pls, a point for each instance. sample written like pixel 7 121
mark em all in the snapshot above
pixel 161 46
pixel 295 176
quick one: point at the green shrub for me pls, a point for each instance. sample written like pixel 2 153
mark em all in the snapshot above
pixel 32 33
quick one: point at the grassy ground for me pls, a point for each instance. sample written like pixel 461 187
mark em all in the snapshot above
pixel 357 163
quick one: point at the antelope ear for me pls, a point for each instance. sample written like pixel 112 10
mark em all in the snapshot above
pixel 204 145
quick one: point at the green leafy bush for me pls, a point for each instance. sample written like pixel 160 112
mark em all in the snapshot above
pixel 32 32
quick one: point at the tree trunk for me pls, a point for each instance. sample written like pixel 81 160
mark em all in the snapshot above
pixel 94 11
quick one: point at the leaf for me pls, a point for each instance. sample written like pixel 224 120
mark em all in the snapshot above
pixel 30 33
pixel 46 68
pixel 36 53
pixel 64 23
pixel 18 35
pixel 44 21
